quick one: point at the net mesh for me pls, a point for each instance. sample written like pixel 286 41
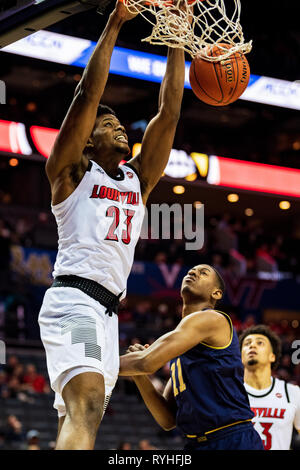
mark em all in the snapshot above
pixel 194 25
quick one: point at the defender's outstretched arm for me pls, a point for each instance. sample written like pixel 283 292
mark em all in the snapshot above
pixel 197 327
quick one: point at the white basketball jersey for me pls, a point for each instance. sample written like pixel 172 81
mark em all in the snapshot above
pixel 277 411
pixel 99 225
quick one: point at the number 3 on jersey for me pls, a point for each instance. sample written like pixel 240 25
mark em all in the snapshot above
pixel 266 432
pixel 182 386
pixel 114 212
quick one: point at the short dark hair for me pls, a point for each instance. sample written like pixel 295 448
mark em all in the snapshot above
pixel 272 337
pixel 220 280
pixel 104 109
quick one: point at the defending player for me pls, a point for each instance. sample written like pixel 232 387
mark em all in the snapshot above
pixel 205 397
pixel 99 211
pixel 275 403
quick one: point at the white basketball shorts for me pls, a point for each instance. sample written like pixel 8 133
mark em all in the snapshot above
pixel 78 336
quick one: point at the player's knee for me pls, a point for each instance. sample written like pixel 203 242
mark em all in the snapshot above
pixel 94 405
pixel 87 408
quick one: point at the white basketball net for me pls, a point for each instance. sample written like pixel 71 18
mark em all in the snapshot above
pixel 210 24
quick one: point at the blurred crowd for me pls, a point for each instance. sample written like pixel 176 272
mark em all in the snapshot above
pixel 21 381
pixel 238 246
pixel 13 436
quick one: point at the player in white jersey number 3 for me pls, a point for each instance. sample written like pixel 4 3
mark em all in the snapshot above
pixel 275 403
pixel 99 207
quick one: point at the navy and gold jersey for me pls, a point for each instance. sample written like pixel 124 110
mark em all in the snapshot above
pixel 208 385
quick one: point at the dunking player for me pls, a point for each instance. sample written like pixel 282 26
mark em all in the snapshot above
pixel 99 210
pixel 205 396
pixel 275 403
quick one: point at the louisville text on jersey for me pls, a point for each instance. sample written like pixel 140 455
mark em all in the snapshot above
pixel 269 412
pixel 125 197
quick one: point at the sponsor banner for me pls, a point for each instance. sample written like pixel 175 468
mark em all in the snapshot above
pixel 245 294
pixel 34 265
pixel 75 51
pixel 253 176
pixel 49 46
pixel 220 171
pixel 273 91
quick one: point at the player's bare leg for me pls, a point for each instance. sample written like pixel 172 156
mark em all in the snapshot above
pixel 84 398
pixel 60 423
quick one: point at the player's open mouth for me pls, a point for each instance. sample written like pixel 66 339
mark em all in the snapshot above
pixel 121 138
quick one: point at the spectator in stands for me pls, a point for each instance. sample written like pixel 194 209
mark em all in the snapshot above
pixel 14 434
pixel 296 374
pixel 124 445
pixel 34 382
pixel 225 237
pixel 250 320
pixel 33 440
pixel 142 314
pixel 144 444
pixel 236 321
pixel 51 445
pixel 2 440
pixel 217 262
pixel 12 363
pixel 125 313
pixel 161 258
pixel 4 393
pixel 264 260
pixel 14 387
pixel 165 318
pixel 5 243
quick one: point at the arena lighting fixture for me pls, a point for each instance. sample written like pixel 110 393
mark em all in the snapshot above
pixel 284 205
pixel 233 197
pixel 13 162
pixel 178 189
pixel 197 204
pixel 249 212
pixel 191 177
pixel 296 145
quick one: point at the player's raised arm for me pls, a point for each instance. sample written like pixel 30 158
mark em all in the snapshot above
pixel 80 119
pixel 208 326
pixel 159 135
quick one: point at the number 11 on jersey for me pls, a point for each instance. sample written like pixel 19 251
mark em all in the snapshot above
pixel 182 386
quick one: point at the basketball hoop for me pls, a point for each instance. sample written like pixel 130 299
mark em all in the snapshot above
pixel 211 23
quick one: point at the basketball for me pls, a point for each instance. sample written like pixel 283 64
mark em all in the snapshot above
pixel 219 83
